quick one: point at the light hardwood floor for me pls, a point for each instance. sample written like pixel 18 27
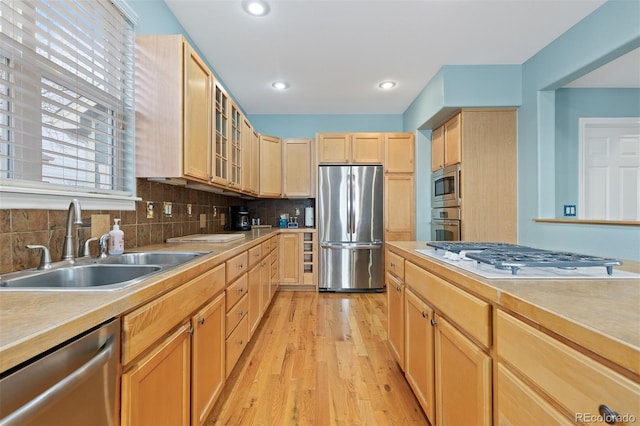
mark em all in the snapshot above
pixel 319 359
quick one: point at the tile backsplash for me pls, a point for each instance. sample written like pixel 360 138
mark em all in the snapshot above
pixel 19 227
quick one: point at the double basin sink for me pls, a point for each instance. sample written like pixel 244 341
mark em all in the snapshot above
pixel 109 273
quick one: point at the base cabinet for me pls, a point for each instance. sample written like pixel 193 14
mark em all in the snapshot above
pixel 463 378
pixel 208 358
pixel 156 390
pixel 419 361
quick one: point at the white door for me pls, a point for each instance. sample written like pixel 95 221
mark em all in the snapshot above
pixel 609 169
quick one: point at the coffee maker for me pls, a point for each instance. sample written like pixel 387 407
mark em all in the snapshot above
pixel 240 218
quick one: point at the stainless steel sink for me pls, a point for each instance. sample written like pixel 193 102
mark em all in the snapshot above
pixel 152 258
pixel 81 276
pixel 110 273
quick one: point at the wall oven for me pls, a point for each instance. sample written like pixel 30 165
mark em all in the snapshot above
pixel 445 187
pixel 445 224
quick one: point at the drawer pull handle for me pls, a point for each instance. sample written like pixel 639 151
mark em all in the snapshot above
pixel 241 266
pixel 240 342
pixel 424 314
pixel 241 289
pixel 241 313
pixel 398 288
pixel 393 265
pixel 201 321
pixel 433 321
pixel 608 414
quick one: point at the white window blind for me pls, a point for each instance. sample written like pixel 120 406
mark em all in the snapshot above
pixel 66 96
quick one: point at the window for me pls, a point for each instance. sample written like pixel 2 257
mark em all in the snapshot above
pixel 66 100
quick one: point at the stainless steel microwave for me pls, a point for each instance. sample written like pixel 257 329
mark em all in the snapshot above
pixel 445 187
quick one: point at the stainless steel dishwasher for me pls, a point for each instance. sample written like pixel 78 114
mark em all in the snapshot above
pixel 75 383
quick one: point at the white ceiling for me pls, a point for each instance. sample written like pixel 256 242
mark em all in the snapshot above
pixel 335 52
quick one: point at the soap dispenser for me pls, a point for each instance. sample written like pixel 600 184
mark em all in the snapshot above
pixel 116 239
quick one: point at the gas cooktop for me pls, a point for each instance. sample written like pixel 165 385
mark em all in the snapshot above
pixel 511 256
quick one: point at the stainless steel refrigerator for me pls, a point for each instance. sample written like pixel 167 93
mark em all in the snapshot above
pixel 350 228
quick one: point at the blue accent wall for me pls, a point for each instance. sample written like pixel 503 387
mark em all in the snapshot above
pixel 571 105
pixel 306 126
pixel 610 31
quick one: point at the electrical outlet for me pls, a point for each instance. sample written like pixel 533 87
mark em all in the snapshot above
pixel 203 220
pixel 149 209
pixel 189 210
pixel 215 212
pixel 223 219
pixel 166 208
pixel 569 210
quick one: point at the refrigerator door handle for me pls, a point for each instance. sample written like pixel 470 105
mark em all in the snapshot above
pixel 352 246
pixel 352 197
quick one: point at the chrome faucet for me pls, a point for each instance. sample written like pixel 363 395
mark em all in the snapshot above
pixel 103 245
pixel 45 257
pixel 68 251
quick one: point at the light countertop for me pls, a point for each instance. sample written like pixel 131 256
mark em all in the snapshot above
pixel 33 321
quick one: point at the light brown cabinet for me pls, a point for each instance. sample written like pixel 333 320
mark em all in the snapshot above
pixel 419 361
pixel 290 253
pixel 399 207
pixel 156 390
pixel 486 148
pixel 446 148
pixel 220 121
pixel 165 377
pixel 297 168
pixel 399 187
pixel 207 355
pixel 463 378
pixel 270 166
pixel 249 158
pixel 350 148
pixel 236 148
pixel 575 382
pixel 394 276
pixel 173 139
pixel 447 338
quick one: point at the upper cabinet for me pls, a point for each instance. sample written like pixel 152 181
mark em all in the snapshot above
pixel 173 139
pixel 446 147
pixel 399 153
pixel 270 166
pixel 298 169
pixel 235 147
pixel 221 135
pixel 350 148
pixel 399 186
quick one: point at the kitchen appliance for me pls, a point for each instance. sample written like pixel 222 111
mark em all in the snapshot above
pixel 308 217
pixel 515 258
pixel 350 228
pixel 445 224
pixel 445 187
pixel 74 384
pixel 240 218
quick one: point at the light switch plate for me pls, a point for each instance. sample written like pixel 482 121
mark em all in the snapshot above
pixel 203 220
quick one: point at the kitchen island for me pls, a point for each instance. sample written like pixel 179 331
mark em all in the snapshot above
pixel 526 342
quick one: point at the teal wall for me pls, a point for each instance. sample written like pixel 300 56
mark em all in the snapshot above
pixel 306 126
pixel 610 31
pixel 571 105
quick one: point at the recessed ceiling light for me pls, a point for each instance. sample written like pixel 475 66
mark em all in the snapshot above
pixel 387 84
pixel 255 7
pixel 280 85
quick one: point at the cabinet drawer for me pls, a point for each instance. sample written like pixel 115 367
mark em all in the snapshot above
pixel 147 324
pixel 255 253
pixel 395 264
pixel 577 382
pixel 236 342
pixel 236 290
pixel 236 266
pixel 235 314
pixel 518 404
pixel 274 243
pixel 267 246
pixel 466 310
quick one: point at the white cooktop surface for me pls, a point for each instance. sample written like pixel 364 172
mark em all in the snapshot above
pixel 490 271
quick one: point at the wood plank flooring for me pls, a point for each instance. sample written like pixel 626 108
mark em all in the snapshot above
pixel 319 359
